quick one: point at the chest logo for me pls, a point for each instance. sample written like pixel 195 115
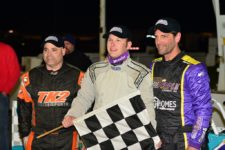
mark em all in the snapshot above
pixel 53 96
pixel 164 85
pixel 169 105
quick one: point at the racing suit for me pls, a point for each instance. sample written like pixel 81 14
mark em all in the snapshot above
pixel 43 100
pixel 104 82
pixel 182 101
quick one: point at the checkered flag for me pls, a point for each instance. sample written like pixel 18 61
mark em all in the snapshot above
pixel 123 124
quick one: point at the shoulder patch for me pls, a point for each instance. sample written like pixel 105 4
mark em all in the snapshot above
pixel 74 67
pixel 81 76
pixel 93 67
pixel 143 71
pixel 190 60
pixel 25 79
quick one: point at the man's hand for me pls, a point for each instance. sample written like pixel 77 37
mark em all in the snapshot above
pixel 67 121
pixel 157 142
pixel 4 93
pixel 191 148
pixel 158 145
pixel 25 140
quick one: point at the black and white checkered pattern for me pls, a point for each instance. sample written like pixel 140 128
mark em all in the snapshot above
pixel 124 124
pixel 16 140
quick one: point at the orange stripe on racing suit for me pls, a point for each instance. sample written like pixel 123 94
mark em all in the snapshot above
pixel 30 140
pixel 81 76
pixel 23 94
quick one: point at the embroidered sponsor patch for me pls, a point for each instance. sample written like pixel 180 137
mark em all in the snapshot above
pixel 164 105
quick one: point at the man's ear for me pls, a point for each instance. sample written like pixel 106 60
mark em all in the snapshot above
pixel 178 37
pixel 64 51
pixel 129 45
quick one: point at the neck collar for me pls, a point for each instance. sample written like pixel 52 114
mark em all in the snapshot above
pixel 118 60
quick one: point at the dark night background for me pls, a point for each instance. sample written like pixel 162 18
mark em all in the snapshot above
pixel 33 20
pixel 82 16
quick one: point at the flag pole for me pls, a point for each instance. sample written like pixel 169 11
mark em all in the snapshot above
pixel 49 132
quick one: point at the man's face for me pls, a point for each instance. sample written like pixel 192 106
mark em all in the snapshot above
pixel 69 47
pixel 117 46
pixel 53 56
pixel 165 42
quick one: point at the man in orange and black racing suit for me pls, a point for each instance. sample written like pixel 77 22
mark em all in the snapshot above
pixel 45 95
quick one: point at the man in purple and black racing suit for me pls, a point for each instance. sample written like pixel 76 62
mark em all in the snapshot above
pixel 181 90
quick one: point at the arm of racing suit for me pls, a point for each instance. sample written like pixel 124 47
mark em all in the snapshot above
pixel 24 107
pixel 84 99
pixel 198 83
pixel 146 89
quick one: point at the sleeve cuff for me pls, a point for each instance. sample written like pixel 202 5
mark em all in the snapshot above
pixel 194 144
